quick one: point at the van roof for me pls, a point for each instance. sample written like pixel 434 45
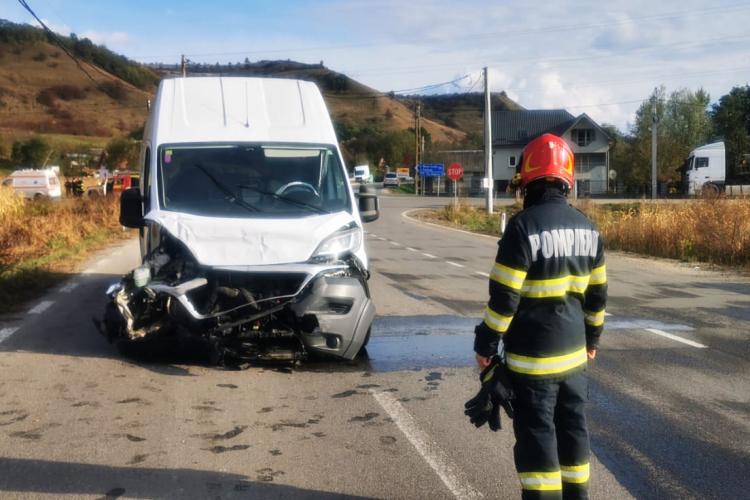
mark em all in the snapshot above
pixel 239 109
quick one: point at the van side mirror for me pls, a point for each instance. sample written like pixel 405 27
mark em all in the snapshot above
pixel 131 208
pixel 369 208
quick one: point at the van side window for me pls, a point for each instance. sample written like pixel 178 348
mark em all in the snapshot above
pixel 701 161
pixel 147 181
pixel 512 161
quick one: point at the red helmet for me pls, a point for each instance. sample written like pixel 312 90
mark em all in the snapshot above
pixel 547 156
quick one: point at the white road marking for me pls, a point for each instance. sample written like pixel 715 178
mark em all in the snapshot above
pixel 395 243
pixel 432 454
pixel 454 264
pixel 40 307
pixel 412 249
pixel 69 287
pixel 483 274
pixel 5 333
pixel 429 255
pixel 607 314
pixel 675 337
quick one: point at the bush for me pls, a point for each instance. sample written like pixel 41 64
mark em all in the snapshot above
pixel 40 57
pixel 115 90
pixel 31 153
pixel 63 92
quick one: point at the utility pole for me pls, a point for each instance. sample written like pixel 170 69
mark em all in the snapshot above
pixel 417 144
pixel 488 140
pixel 183 65
pixel 654 121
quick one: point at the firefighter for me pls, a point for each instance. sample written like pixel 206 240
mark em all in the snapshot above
pixel 548 291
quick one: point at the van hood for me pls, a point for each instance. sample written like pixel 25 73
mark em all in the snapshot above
pixel 219 242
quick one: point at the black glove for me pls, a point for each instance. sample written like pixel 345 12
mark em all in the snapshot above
pixel 496 392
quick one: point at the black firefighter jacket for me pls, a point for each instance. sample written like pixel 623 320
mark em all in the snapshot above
pixel 548 291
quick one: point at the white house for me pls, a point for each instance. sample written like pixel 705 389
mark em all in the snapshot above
pixel 512 130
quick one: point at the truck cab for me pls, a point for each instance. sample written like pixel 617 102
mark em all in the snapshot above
pixel 704 171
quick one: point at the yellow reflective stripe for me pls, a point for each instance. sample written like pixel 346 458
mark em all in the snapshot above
pixel 594 318
pixel 496 321
pixel 598 275
pixel 541 481
pixel 512 278
pixel 575 474
pixel 545 366
pixel 557 287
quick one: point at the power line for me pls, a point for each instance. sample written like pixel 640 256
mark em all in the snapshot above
pixel 57 40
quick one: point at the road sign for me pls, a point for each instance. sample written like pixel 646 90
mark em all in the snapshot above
pixel 455 171
pixel 402 172
pixel 431 170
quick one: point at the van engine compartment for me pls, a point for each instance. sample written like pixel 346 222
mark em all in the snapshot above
pixel 245 314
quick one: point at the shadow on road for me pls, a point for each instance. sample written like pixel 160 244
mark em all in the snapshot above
pixel 24 477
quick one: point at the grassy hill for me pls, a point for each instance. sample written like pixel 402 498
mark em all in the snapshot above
pixel 464 112
pixel 44 92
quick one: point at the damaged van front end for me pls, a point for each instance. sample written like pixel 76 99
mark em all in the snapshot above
pixel 252 312
pixel 251 237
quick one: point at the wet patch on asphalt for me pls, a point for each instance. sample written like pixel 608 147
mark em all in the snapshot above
pixel 9 417
pixel 224 449
pixel 365 418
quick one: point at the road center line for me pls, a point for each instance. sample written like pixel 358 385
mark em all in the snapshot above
pixel 69 287
pixel 40 307
pixel 395 243
pixel 5 333
pixel 412 249
pixel 428 449
pixel 454 264
pixel 482 273
pixel 429 255
pixel 675 337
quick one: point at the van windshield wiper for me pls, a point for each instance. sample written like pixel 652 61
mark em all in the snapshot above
pixel 230 196
pixel 286 199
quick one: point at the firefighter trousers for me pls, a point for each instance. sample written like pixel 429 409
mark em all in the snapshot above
pixel 552 443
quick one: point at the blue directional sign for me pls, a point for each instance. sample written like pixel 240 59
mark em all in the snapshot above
pixel 431 169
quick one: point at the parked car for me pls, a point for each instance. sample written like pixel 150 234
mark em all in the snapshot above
pixel 391 179
pixel 251 237
pixel 36 183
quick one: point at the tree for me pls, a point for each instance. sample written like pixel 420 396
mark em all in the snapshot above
pixel 122 152
pixel 731 118
pixel 683 123
pixel 31 153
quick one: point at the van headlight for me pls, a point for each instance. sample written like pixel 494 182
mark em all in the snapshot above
pixel 340 243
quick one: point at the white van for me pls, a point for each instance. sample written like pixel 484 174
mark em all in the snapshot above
pixel 251 236
pixel 36 183
pixel 362 174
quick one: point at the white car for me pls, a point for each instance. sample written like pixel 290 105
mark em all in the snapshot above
pixel 251 236
pixel 391 179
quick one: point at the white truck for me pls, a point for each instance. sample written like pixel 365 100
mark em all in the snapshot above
pixel 362 174
pixel 36 183
pixel 251 237
pixel 707 172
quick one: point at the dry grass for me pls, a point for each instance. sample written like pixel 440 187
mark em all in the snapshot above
pixel 42 241
pixel 469 217
pixel 716 231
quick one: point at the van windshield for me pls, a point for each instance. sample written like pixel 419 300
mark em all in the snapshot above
pixel 251 180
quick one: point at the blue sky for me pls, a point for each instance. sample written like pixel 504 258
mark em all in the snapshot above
pixel 593 57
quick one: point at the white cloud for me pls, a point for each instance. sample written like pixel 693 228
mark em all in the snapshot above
pixel 59 28
pixel 108 38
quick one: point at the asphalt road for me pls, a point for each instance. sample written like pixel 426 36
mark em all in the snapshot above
pixel 670 392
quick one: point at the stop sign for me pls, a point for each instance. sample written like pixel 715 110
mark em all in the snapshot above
pixel 455 171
